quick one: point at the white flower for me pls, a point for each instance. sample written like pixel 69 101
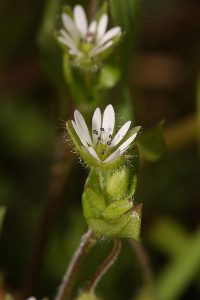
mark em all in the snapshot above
pixel 102 144
pixel 85 40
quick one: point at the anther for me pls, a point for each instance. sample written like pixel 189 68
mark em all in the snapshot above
pixel 95 131
pixel 103 151
pixel 99 138
pixel 110 136
pixel 108 143
pixel 102 129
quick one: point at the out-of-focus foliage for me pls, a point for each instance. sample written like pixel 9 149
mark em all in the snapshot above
pixel 152 143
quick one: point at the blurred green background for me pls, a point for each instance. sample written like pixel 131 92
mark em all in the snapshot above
pixel 41 181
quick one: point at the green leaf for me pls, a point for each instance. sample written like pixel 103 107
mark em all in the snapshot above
pixel 179 273
pixel 151 143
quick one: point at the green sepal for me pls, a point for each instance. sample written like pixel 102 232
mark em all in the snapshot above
pixel 126 226
pixel 116 209
pixel 106 215
pixel 67 9
pixel 122 182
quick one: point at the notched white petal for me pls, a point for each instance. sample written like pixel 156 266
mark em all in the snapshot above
pixel 93 27
pixel 81 122
pixel 70 26
pixel 80 134
pixel 121 134
pixel 80 20
pixel 103 22
pixel 110 34
pixel 127 143
pixel 108 122
pixel 75 52
pixel 93 153
pixel 65 42
pixel 68 39
pixel 99 49
pixel 96 124
pixel 116 154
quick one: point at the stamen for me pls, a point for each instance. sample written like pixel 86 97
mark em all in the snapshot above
pixel 89 37
pixel 95 131
pixel 103 152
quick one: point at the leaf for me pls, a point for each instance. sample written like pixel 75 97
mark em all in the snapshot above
pixel 179 273
pixel 151 143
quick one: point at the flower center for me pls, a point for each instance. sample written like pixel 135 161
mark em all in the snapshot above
pixel 104 139
pixel 89 37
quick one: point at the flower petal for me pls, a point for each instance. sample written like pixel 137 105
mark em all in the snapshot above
pixel 80 134
pixel 112 156
pixel 100 49
pixel 96 124
pixel 127 143
pixel 63 41
pixel 93 153
pixel 108 123
pixel 81 123
pixel 102 25
pixel 75 52
pixel 93 27
pixel 68 39
pixel 109 35
pixel 80 20
pixel 121 133
pixel 70 26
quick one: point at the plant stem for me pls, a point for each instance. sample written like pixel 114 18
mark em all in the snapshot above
pixel 105 266
pixel 145 266
pixel 69 279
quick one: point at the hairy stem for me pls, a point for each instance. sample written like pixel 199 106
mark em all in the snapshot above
pixel 105 266
pixel 69 279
